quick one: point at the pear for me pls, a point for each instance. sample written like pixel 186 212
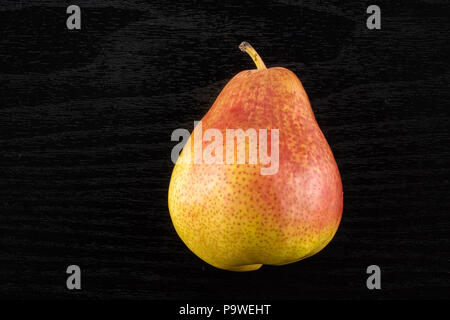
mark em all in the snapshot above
pixel 230 214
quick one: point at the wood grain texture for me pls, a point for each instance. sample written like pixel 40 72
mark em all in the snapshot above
pixel 85 124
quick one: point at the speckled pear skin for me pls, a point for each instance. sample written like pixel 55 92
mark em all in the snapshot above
pixel 236 219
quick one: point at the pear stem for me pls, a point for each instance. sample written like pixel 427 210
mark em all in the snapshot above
pixel 246 47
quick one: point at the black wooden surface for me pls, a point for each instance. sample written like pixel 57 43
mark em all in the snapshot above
pixel 86 118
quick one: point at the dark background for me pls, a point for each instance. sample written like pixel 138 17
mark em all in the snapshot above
pixel 86 118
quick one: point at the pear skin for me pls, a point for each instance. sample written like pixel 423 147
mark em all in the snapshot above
pixel 232 216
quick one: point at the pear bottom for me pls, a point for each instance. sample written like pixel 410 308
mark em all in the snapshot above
pixel 248 267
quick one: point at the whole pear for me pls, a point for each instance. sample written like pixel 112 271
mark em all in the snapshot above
pixel 232 216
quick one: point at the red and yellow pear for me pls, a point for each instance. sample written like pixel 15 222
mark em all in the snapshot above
pixel 232 216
